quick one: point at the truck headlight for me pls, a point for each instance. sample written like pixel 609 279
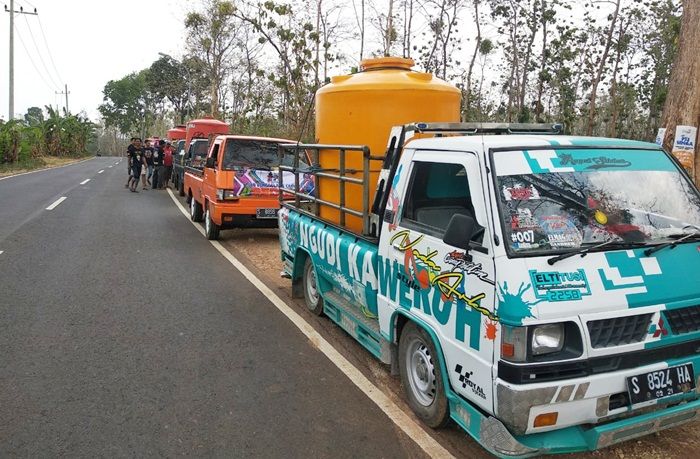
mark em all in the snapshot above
pixel 223 195
pixel 547 339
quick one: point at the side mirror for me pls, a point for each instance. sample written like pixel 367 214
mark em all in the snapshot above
pixel 460 231
pixel 211 162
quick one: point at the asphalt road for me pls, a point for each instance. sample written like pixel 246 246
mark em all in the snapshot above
pixel 123 332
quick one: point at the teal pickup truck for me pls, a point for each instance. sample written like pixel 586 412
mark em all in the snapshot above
pixel 541 291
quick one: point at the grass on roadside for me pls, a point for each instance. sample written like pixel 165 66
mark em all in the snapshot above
pixel 42 162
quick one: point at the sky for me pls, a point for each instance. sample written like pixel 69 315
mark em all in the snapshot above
pixel 90 43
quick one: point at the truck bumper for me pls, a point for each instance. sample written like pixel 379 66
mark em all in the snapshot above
pixel 496 438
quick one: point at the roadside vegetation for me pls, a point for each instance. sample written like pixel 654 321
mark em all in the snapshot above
pixel 45 138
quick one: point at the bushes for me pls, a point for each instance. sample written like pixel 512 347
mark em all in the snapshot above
pixel 24 141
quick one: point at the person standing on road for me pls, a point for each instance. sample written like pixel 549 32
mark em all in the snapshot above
pixel 168 163
pixel 135 152
pixel 128 163
pixel 158 163
pixel 148 157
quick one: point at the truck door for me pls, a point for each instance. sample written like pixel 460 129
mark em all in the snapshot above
pixel 210 167
pixel 450 289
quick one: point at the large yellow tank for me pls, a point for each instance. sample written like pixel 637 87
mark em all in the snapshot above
pixel 361 109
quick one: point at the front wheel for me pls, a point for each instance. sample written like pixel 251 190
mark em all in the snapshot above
pixel 211 229
pixel 314 302
pixel 195 210
pixel 421 377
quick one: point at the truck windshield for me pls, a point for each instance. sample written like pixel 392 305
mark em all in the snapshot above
pixel 254 154
pixel 199 148
pixel 558 200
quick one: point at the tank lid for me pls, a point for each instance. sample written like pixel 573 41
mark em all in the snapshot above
pixel 381 63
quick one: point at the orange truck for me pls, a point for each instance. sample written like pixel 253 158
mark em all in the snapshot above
pixel 237 186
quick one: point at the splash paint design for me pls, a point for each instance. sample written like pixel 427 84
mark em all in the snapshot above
pixel 490 329
pixel 513 307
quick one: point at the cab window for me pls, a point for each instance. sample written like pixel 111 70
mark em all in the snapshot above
pixel 436 192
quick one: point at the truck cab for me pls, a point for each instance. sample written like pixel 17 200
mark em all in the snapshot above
pixel 236 184
pixel 541 291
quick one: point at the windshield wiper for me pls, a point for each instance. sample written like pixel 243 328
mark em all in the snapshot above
pixel 695 235
pixel 585 251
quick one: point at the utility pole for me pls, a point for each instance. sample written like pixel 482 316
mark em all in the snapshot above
pixel 12 11
pixel 66 92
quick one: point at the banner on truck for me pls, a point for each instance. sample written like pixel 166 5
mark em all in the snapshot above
pixel 684 147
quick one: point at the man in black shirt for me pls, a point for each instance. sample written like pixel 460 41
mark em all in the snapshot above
pixel 158 164
pixel 148 156
pixel 135 153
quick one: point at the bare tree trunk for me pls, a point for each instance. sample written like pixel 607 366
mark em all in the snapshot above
pixel 528 55
pixel 612 128
pixel 318 42
pixel 683 100
pixel 543 64
pixel 389 28
pixel 468 93
pixel 599 72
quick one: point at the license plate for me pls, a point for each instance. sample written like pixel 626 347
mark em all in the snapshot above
pixel 266 213
pixel 661 383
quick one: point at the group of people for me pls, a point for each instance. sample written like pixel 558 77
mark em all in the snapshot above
pixel 153 165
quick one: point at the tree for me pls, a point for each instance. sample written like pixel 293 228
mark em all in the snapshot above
pixel 34 116
pixel 211 35
pixel 124 104
pixel 167 80
pixel 683 101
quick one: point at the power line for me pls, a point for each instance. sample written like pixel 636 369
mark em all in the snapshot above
pixel 53 88
pixel 46 43
pixel 41 59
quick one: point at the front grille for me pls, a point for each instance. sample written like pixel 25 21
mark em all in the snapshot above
pixel 684 320
pixel 618 330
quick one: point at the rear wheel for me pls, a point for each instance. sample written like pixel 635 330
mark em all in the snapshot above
pixel 314 302
pixel 211 229
pixel 195 210
pixel 421 377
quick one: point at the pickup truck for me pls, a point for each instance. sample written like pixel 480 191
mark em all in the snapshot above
pixel 196 153
pixel 541 291
pixel 237 184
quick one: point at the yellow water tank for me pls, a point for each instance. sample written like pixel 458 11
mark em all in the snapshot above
pixel 361 109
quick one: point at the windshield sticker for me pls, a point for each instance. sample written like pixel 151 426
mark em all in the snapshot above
pixel 561 232
pixel 520 193
pixel 248 182
pixel 560 286
pixel 589 160
pixel 523 219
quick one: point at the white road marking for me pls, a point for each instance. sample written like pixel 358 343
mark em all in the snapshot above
pixel 99 172
pixel 45 169
pixel 1 252
pixel 111 166
pixel 56 203
pixel 84 181
pixel 411 428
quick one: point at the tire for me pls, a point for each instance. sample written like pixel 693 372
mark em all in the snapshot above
pixel 195 210
pixel 421 377
pixel 312 296
pixel 181 186
pixel 211 229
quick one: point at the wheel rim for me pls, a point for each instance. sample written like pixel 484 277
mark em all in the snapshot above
pixel 311 288
pixel 207 222
pixel 192 207
pixel 421 372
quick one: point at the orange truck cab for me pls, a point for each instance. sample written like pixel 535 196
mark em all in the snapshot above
pixel 176 133
pixel 237 186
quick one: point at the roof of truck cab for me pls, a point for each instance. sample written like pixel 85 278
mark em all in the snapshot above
pixel 252 137
pixel 476 142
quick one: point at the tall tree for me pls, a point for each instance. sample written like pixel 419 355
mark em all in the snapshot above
pixel 211 36
pixel 683 101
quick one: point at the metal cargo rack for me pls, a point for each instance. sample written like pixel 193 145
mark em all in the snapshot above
pixel 311 204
